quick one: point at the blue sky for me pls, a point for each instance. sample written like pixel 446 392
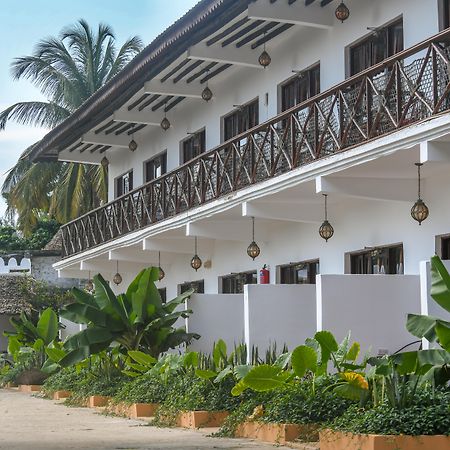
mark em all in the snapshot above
pixel 24 22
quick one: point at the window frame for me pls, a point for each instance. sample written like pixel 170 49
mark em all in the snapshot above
pixel 292 265
pixel 296 78
pixel 234 275
pixel 237 112
pixel 122 178
pixel 162 154
pixel 371 37
pixel 444 14
pixel 439 246
pixel 349 263
pixel 190 283
pixel 191 137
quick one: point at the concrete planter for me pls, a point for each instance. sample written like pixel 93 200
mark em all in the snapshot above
pixel 333 440
pixel 135 410
pixel 60 395
pixel 201 419
pixel 30 388
pixel 277 433
pixel 97 401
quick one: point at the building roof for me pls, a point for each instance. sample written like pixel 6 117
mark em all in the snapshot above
pixel 55 243
pixel 198 23
pixel 12 300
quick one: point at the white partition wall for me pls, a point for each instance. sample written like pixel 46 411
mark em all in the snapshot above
pixel 281 313
pixel 373 307
pixel 216 316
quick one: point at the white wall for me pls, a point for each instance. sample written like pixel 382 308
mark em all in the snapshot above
pixel 373 308
pixel 281 314
pixel 296 49
pixel 216 317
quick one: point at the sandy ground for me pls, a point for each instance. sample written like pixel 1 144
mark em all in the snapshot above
pixel 29 423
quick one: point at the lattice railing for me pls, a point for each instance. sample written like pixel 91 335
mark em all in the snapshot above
pixel 412 86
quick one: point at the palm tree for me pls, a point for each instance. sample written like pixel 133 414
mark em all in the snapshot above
pixel 67 70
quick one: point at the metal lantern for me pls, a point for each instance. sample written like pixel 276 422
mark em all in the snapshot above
pixel 253 249
pixel 264 59
pixel 419 210
pixel 162 274
pixel 104 162
pixel 196 262
pixel 117 279
pixel 165 124
pixel 342 13
pixel 133 145
pixel 326 231
pixel 207 94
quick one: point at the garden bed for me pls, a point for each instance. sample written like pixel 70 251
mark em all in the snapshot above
pixel 201 419
pixel 277 433
pixel 336 440
pixel 60 395
pixel 97 401
pixel 134 410
pixel 29 388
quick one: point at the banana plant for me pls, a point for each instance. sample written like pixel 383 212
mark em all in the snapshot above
pixel 135 320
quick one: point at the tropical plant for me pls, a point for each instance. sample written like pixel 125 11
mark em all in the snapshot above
pixel 135 320
pixel 67 70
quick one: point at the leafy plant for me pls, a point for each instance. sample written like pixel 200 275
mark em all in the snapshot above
pixel 136 320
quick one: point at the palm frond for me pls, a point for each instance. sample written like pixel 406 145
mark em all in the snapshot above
pixel 126 53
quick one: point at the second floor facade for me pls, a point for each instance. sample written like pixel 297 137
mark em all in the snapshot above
pixel 312 55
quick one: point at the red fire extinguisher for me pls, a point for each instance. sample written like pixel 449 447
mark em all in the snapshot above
pixel 264 275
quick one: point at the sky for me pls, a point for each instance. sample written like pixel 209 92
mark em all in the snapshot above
pixel 24 22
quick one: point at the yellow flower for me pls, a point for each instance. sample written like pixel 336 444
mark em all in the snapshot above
pixel 355 379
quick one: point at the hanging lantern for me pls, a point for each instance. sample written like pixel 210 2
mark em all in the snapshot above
pixel 162 274
pixel 419 211
pixel 196 262
pixel 89 285
pixel 326 231
pixel 104 162
pixel 264 58
pixel 165 123
pixel 253 249
pixel 342 13
pixel 133 145
pixel 207 94
pixel 117 279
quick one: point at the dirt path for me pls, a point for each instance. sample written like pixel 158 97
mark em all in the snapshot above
pixel 29 423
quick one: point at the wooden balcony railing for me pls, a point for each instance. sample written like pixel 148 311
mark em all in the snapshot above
pixel 409 87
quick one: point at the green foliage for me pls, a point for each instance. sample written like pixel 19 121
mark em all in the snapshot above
pixel 148 388
pixel 189 393
pixel 428 414
pixel 64 380
pixel 12 240
pixel 136 320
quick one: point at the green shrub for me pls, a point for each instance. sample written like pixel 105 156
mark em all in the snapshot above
pixel 148 388
pixel 295 403
pixel 428 415
pixel 64 380
pixel 186 392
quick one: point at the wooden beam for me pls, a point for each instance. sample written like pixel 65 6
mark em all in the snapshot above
pixel 227 31
pixel 281 29
pixel 193 90
pixel 216 72
pixel 134 117
pixel 255 34
pixel 102 139
pixel 228 55
pixel 174 70
pixel 148 102
pixel 242 32
pixel 296 14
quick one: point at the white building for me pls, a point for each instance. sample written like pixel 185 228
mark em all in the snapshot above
pixel 343 109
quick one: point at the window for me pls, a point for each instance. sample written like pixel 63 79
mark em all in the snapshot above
pixel 198 286
pixel 381 44
pixel 193 146
pixel 378 260
pixel 155 167
pixel 163 294
pixel 124 184
pixel 242 119
pixel 299 273
pixel 443 246
pixel 234 283
pixel 444 14
pixel 300 88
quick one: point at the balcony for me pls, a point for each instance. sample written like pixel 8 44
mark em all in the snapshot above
pixel 408 88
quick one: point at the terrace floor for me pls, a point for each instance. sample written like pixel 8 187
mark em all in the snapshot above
pixel 28 423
